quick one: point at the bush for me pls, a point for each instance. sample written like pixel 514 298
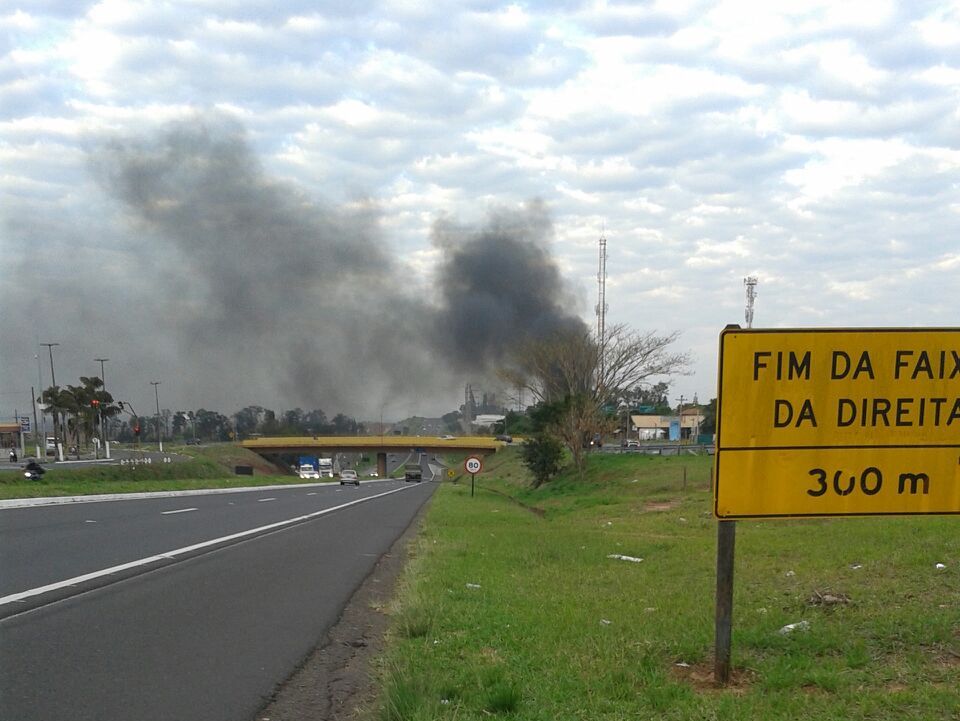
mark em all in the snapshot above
pixel 541 455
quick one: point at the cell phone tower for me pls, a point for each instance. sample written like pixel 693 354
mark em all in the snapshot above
pixel 602 306
pixel 751 282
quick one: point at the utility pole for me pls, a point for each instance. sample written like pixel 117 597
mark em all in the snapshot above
pixel 103 430
pixel 53 376
pixel 36 428
pixel 156 395
pixel 53 384
pixel 680 413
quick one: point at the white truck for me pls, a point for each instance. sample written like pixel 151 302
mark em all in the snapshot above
pixel 308 471
pixel 325 466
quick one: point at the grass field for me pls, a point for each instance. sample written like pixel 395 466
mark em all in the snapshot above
pixel 210 466
pixel 513 607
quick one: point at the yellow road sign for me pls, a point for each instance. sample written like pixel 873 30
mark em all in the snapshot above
pixel 451 473
pixel 838 422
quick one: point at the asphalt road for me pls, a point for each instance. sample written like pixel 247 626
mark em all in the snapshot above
pixel 206 635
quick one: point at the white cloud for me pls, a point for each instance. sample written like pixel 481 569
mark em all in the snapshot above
pixel 811 143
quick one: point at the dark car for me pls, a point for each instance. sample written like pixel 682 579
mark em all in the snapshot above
pixel 503 437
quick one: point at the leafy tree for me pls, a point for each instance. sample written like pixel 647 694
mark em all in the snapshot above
pixel 249 420
pixel 77 409
pixel 269 426
pixel 315 422
pixel 657 396
pixel 344 425
pixel 709 423
pixel 574 377
pixel 213 426
pixel 516 424
pixel 179 424
pixel 542 455
pixel 291 423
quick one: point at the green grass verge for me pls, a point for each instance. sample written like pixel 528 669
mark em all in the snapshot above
pixel 209 467
pixel 519 614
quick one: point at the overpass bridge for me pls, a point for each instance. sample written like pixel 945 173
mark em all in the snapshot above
pixel 381 445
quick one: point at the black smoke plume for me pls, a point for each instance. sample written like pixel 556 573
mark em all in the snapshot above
pixel 271 297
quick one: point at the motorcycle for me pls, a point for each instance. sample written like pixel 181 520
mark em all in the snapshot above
pixel 33 472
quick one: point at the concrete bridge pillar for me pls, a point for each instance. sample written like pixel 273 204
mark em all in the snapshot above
pixel 382 464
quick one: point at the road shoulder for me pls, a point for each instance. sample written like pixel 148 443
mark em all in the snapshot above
pixel 336 679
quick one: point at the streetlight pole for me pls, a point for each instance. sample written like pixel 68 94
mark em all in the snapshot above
pixel 156 395
pixel 53 384
pixel 42 428
pixel 103 430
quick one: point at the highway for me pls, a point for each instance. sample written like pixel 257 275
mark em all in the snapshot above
pixel 189 607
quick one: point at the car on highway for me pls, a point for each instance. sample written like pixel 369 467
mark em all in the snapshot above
pixel 504 438
pixel 349 476
pixel 412 472
pixel 308 471
pixel 448 437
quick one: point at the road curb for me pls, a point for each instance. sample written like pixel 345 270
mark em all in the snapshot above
pixel 97 498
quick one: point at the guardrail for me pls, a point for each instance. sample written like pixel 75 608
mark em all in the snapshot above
pixel 667 449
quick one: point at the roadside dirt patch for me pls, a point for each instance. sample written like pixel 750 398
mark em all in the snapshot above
pixel 659 505
pixel 336 679
pixel 700 677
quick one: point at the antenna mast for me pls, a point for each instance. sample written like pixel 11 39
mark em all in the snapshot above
pixel 602 306
pixel 751 282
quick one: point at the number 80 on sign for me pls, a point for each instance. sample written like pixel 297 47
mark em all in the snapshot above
pixel 473 465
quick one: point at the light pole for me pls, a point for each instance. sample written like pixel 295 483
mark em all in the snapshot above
pixel 43 416
pixel 103 384
pixel 156 395
pixel 103 378
pixel 53 384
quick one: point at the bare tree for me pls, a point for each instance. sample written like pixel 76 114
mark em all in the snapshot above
pixel 578 376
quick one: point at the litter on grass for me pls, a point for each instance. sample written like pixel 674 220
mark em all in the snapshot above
pixel 791 627
pixel 621 557
pixel 473 585
pixel 940 566
pixel 827 599
pixel 605 622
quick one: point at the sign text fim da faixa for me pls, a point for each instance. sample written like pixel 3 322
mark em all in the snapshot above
pixel 838 422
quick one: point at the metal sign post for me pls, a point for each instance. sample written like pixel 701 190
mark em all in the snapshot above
pixel 831 422
pixel 473 465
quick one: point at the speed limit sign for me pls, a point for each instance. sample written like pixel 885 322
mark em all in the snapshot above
pixel 473 465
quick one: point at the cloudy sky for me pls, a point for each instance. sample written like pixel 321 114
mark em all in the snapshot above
pixel 245 200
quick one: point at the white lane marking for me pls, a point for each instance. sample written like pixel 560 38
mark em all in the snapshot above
pixel 311 494
pixel 104 497
pixel 264 500
pixel 88 521
pixel 179 510
pixel 14 597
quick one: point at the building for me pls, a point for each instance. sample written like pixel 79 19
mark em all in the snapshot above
pixel 9 435
pixel 674 427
